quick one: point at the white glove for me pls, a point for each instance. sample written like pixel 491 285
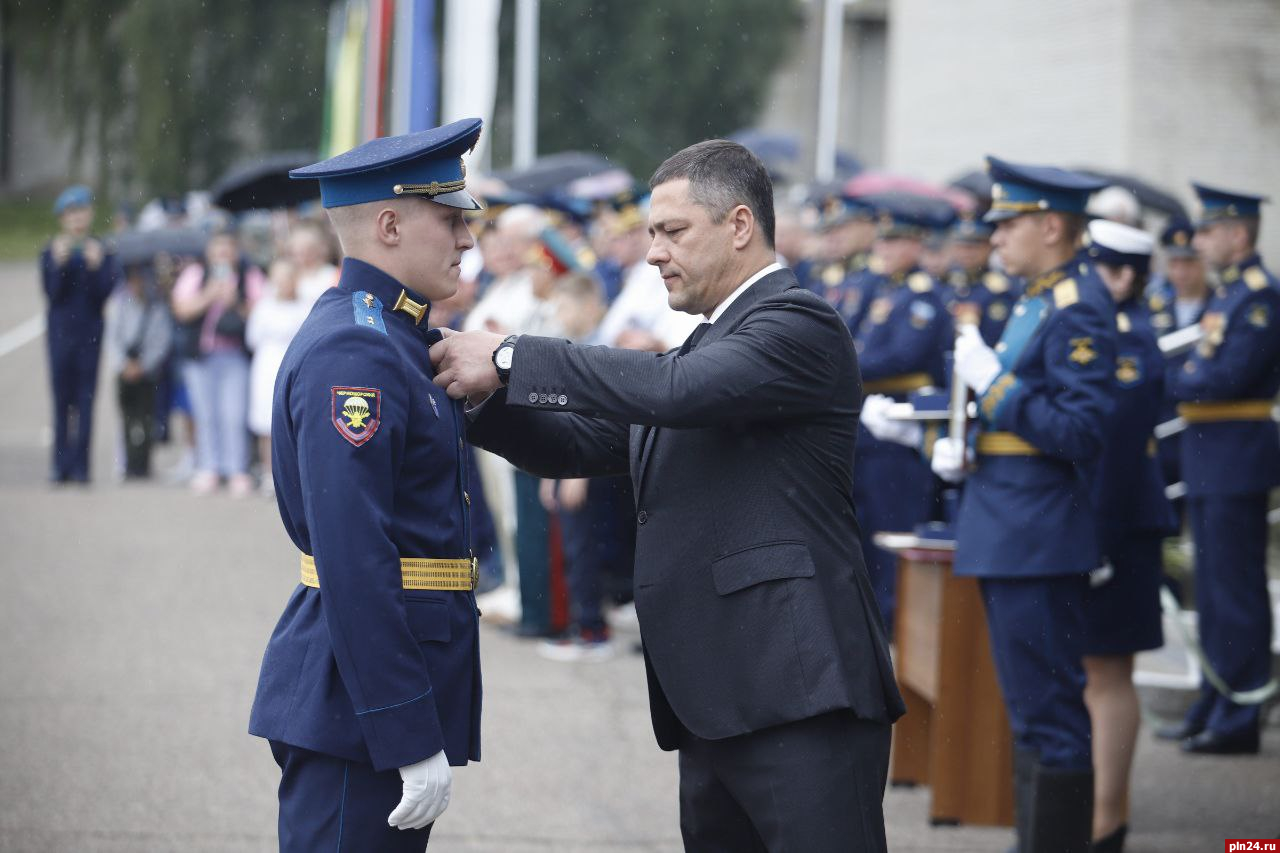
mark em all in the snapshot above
pixel 949 459
pixel 875 417
pixel 976 363
pixel 427 785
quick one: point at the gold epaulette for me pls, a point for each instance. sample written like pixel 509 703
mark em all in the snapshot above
pixel 920 282
pixel 1066 293
pixel 996 282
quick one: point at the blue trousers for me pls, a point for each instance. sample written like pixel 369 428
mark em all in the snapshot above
pixel 332 804
pixel 74 375
pixel 1234 609
pixel 219 389
pixel 531 555
pixel 892 491
pixel 1037 629
pixel 593 547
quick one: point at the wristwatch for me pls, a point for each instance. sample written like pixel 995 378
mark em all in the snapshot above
pixel 502 358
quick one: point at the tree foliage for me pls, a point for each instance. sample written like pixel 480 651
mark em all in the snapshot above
pixel 172 91
pixel 637 81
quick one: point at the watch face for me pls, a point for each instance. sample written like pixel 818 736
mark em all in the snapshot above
pixel 503 358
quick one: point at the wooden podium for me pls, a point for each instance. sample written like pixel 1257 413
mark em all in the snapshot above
pixel 955 735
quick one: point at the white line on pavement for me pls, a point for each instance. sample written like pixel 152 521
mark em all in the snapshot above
pixel 21 335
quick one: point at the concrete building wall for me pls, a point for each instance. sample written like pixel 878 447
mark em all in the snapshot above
pixel 1041 81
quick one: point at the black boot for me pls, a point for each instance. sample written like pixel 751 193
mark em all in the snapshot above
pixel 1024 774
pixel 1113 842
pixel 1061 812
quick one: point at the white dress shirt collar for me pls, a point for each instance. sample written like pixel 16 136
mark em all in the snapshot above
pixel 724 306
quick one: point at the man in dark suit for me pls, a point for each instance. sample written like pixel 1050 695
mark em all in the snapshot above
pixel 767 662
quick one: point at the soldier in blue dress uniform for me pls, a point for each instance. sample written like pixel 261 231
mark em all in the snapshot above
pixel 972 285
pixel 1122 614
pixel 1175 301
pixel 1230 461
pixel 1026 526
pixel 900 345
pixel 848 228
pixel 79 275
pixel 370 685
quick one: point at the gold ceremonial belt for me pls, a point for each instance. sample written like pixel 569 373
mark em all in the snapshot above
pixel 1225 410
pixel 898 384
pixel 457 575
pixel 1004 444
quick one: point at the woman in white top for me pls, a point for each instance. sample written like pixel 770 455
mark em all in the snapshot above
pixel 272 324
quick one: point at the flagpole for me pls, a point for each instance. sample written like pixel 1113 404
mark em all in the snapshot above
pixel 525 142
pixel 824 166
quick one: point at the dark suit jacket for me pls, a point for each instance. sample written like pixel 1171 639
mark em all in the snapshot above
pixel 752 595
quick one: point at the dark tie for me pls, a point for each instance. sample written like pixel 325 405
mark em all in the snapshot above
pixel 695 336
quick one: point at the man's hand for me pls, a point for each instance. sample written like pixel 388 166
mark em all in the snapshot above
pixel 950 459
pixel 60 249
pixel 573 494
pixel 875 417
pixel 427 786
pixel 464 363
pixel 976 363
pixel 93 254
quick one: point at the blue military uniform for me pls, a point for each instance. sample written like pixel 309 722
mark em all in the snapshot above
pixel 76 296
pixel 1165 317
pixel 841 282
pixel 1230 461
pixel 1123 603
pixel 991 293
pixel 374 664
pixel 1026 525
pixel 900 344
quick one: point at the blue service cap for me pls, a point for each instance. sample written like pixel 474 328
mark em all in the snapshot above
pixel 839 209
pixel 427 163
pixel 905 215
pixel 1218 204
pixel 74 196
pixel 1017 189
pixel 1120 245
pixel 1176 238
pixel 969 229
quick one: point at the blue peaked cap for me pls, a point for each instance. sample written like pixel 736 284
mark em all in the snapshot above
pixel 74 196
pixel 1219 204
pixel 1017 189
pixel 427 163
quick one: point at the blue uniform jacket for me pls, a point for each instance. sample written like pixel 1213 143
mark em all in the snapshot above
pixel 905 330
pixel 76 296
pixel 1129 488
pixel 369 466
pixel 1238 360
pixel 837 282
pixel 1031 514
pixel 992 292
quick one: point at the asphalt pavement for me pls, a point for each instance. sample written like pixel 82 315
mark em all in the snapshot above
pixel 132 623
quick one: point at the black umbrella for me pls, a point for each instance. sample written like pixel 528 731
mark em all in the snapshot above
pixel 139 247
pixel 264 183
pixel 1149 196
pixel 555 172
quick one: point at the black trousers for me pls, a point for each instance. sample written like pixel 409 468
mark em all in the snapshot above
pixel 138 411
pixel 812 786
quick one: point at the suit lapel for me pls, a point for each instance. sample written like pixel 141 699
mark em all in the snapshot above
pixel 770 285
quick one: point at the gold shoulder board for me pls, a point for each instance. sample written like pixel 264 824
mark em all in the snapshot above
pixel 1255 278
pixel 920 282
pixel 1065 293
pixel 995 282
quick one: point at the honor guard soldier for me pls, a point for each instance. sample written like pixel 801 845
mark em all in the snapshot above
pixel 370 685
pixel 79 275
pixel 847 228
pixel 1122 612
pixel 1176 301
pixel 972 282
pixel 900 346
pixel 1230 461
pixel 1026 526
